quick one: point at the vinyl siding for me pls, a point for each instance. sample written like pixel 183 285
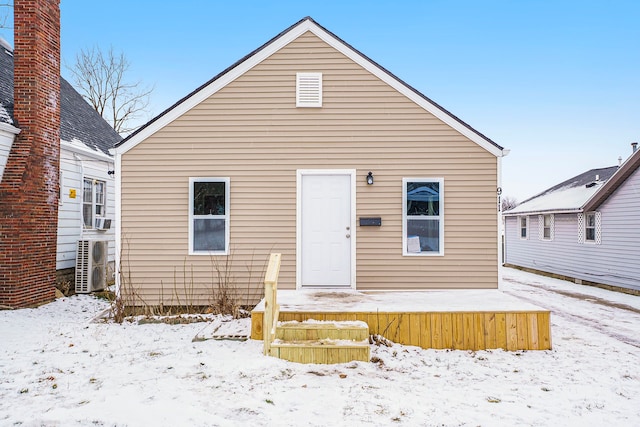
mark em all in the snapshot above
pixel 6 141
pixel 613 262
pixel 70 209
pixel 251 132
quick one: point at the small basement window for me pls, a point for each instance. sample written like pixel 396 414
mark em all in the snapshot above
pixel 308 89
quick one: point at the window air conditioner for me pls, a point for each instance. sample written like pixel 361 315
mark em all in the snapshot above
pixel 91 266
pixel 103 224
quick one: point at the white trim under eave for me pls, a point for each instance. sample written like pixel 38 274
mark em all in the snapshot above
pixel 276 45
pixel 406 91
pixel 80 148
pixel 547 212
pixel 212 88
pixel 9 129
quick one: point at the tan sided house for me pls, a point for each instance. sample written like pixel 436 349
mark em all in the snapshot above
pixel 308 148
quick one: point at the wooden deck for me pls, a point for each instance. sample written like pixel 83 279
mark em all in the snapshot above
pixel 455 319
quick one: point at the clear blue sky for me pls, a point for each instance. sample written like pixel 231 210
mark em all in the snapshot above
pixel 557 82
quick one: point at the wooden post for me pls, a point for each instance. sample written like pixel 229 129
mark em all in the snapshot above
pixel 271 308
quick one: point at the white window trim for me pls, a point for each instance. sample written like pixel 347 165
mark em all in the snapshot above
pixel 440 181
pixel 309 90
pixel 526 227
pixel 226 216
pixel 597 228
pixel 93 202
pixel 551 227
pixel 586 226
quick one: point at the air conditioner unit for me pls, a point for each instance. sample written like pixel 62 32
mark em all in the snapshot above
pixel 103 224
pixel 91 265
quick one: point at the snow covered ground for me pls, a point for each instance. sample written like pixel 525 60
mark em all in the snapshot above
pixel 59 369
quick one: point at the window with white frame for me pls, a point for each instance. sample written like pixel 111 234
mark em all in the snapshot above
pixel 209 216
pixel 422 216
pixel 524 223
pixel 94 196
pixel 590 227
pixel 546 224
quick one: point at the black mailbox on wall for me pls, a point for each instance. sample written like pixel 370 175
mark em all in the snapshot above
pixel 371 222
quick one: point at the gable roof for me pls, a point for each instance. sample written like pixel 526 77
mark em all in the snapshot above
pixel 79 122
pixel 275 44
pixel 582 193
pixel 630 165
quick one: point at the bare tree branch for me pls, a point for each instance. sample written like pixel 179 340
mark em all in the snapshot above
pixel 4 16
pixel 508 203
pixel 100 77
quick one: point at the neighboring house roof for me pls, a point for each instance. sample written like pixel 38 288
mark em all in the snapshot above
pixel 79 122
pixel 582 193
pixel 276 43
pixel 624 171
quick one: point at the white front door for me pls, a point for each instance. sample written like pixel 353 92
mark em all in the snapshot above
pixel 325 227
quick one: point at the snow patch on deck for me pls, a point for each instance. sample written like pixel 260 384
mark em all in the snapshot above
pixel 459 300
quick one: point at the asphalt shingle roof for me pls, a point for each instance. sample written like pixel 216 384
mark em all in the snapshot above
pixel 78 120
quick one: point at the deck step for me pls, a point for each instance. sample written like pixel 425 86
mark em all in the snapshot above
pixel 319 330
pixel 321 342
pixel 321 351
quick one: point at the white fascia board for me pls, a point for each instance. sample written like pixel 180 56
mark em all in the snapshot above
pixel 406 91
pixel 83 150
pixel 9 129
pixel 213 87
pixel 542 212
pixel 118 219
pixel 276 45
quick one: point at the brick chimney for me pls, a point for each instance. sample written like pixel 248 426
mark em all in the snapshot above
pixel 29 190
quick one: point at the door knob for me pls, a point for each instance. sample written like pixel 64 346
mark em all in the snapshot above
pixel 348 235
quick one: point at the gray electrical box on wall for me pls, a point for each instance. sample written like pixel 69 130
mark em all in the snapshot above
pixel 371 222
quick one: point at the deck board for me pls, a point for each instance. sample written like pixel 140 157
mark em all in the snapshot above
pixel 462 326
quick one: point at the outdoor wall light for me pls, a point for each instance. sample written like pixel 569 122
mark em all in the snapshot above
pixel 370 178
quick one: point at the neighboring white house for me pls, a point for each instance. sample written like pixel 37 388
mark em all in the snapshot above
pixel 87 192
pixel 586 228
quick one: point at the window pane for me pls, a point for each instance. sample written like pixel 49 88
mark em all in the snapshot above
pixel 208 234
pixel 547 220
pixel 100 192
pixel 523 232
pixel 208 198
pixel 87 218
pixel 87 195
pixel 547 233
pixel 591 220
pixel 423 235
pixel 590 234
pixel 423 198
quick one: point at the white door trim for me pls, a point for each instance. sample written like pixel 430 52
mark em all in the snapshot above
pixel 299 173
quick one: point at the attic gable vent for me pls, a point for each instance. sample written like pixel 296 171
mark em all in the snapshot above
pixel 308 89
